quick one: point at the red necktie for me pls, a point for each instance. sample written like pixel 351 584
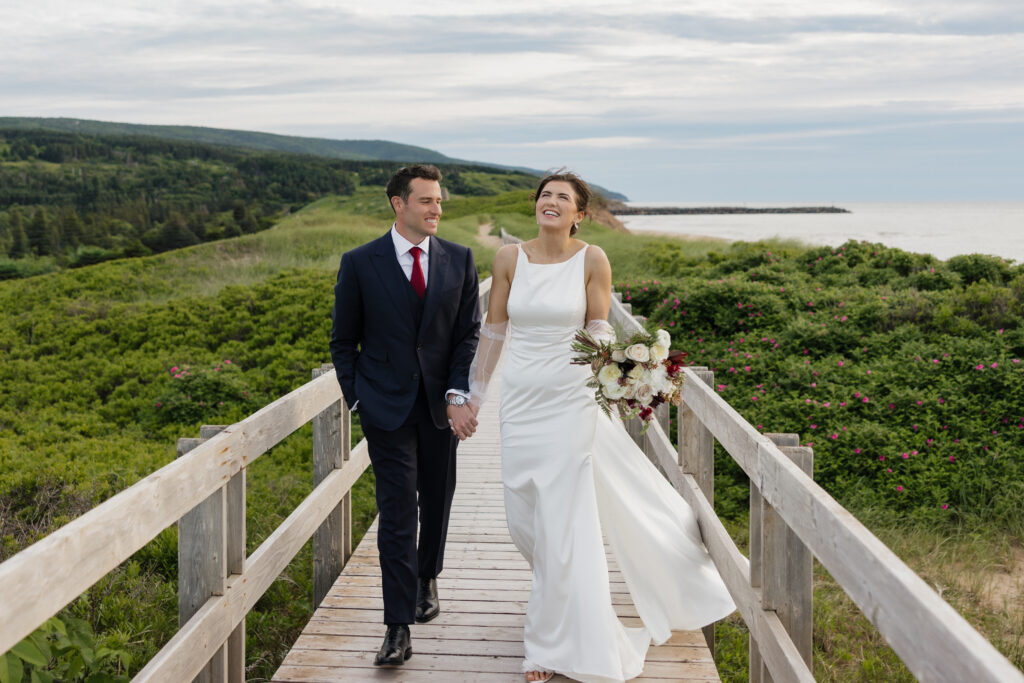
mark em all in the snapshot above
pixel 417 272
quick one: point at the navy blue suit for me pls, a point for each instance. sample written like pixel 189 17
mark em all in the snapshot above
pixel 397 355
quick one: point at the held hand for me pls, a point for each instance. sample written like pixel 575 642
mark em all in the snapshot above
pixel 462 420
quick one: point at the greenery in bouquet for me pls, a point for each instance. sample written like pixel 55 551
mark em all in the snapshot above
pixel 635 374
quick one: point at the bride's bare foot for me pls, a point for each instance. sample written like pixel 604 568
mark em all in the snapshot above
pixel 540 676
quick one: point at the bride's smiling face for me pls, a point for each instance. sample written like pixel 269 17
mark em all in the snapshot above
pixel 556 206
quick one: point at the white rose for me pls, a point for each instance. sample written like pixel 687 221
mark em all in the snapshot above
pixel 660 381
pixel 659 353
pixel 630 390
pixel 663 338
pixel 609 374
pixel 644 394
pixel 613 391
pixel 618 355
pixel 636 373
pixel 639 353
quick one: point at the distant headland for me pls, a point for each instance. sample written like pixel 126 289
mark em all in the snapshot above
pixel 620 209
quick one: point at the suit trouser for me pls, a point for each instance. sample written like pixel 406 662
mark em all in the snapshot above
pixel 414 466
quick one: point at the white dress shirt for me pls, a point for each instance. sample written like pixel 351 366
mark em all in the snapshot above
pixel 402 247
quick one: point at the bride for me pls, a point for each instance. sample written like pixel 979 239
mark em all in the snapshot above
pixel 571 473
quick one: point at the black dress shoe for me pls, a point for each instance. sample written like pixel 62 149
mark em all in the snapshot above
pixel 427 604
pixel 397 646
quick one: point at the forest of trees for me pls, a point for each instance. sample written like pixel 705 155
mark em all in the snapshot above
pixel 69 200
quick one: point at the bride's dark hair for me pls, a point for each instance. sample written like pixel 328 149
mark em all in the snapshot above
pixel 582 191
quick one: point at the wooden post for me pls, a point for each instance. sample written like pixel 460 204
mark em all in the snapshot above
pixel 661 417
pixel 755 664
pixel 786 567
pixel 235 550
pixel 696 448
pixel 202 565
pixel 332 542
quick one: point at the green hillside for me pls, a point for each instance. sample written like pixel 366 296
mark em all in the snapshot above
pixel 869 353
pixel 73 199
pixel 352 150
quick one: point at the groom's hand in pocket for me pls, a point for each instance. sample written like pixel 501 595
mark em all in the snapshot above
pixel 463 420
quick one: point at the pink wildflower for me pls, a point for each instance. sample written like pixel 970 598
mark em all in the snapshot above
pixel 899 488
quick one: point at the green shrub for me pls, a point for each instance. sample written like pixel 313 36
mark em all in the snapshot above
pixel 978 267
pixel 911 399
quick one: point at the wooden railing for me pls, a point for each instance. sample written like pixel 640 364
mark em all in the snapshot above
pixel 204 491
pixel 792 521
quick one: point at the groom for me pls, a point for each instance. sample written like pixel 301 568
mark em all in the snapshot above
pixel 406 320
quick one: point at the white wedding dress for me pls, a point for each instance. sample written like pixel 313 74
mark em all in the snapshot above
pixel 570 472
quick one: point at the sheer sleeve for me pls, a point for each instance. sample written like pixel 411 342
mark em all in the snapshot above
pixel 601 331
pixel 488 351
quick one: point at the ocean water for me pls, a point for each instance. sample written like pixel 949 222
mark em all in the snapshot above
pixel 943 229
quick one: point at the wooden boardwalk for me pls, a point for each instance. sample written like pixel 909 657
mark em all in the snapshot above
pixel 483 590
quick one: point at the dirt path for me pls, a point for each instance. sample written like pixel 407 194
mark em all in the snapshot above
pixel 484 236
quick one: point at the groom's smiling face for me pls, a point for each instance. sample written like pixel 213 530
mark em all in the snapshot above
pixel 417 217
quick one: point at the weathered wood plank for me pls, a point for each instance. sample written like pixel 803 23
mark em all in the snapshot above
pixel 202 563
pixel 932 639
pixel 330 446
pixel 483 589
pixel 110 533
pixel 214 622
pixel 787 576
pixel 755 666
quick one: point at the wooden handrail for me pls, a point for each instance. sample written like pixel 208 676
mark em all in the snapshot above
pixel 101 539
pixel 932 639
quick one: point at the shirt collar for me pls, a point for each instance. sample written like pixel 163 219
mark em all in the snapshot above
pixel 402 245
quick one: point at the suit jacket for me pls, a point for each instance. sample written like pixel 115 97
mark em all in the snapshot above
pixel 379 354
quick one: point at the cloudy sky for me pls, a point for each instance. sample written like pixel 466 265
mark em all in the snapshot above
pixel 704 100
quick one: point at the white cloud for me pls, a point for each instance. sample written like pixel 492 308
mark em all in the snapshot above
pixel 579 77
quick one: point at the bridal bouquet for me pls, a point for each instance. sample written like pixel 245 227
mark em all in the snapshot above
pixel 637 374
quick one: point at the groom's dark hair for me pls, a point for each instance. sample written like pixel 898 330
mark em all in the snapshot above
pixel 399 185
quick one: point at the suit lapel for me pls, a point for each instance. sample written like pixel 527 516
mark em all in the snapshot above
pixel 390 273
pixel 438 274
